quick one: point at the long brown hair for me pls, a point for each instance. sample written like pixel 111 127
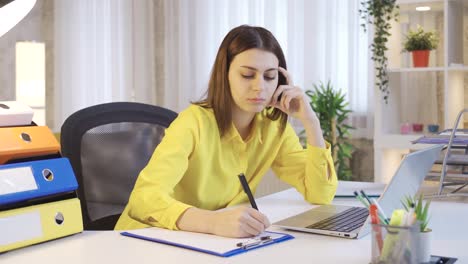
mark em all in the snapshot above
pixel 219 96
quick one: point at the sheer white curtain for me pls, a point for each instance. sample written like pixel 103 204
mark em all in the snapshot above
pixel 104 52
pixel 108 50
pixel 322 41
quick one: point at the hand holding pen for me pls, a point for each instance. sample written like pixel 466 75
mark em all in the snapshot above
pixel 240 221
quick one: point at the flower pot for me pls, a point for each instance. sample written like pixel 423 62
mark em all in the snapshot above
pixel 424 246
pixel 420 58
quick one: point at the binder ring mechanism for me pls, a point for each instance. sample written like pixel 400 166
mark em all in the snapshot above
pixel 255 242
pixel 4 106
pixel 59 218
pixel 48 175
pixel 25 137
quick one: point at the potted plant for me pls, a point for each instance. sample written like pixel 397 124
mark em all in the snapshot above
pixel 421 210
pixel 379 13
pixel 332 111
pixel 420 43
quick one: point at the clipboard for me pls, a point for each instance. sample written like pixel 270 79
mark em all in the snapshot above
pixel 207 243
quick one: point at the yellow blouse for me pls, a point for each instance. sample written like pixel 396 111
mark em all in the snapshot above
pixel 193 166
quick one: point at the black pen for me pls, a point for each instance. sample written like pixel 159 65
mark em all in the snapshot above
pixel 246 188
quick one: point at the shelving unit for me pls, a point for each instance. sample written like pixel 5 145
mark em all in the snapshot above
pixel 432 95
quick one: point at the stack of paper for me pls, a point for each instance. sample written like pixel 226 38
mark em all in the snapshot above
pixel 37 187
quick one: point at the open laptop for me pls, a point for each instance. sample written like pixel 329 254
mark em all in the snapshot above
pixel 353 222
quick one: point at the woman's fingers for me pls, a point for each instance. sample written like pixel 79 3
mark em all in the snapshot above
pixel 261 218
pixel 293 100
pixel 277 95
pixel 286 75
pixel 253 227
pixel 288 93
pixel 254 222
pixel 296 94
pixel 240 222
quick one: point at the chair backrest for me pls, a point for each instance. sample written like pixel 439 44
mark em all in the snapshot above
pixel 108 145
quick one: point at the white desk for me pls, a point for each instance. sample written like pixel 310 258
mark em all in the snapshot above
pixel 450 238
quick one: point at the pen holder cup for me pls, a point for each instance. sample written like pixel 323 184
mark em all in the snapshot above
pixel 394 244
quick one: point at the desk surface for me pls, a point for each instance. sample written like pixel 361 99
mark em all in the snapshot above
pixel 448 222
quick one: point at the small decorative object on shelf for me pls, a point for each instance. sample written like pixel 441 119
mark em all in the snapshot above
pixel 433 128
pixel 420 43
pixel 417 127
pixel 405 128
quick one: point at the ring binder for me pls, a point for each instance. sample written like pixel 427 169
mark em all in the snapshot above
pixel 28 180
pixel 39 223
pixel 26 142
pixel 13 113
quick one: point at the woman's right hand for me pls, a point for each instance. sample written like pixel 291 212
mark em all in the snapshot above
pixel 239 221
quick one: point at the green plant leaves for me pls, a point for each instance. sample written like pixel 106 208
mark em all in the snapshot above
pixel 421 209
pixel 332 111
pixel 379 13
pixel 420 40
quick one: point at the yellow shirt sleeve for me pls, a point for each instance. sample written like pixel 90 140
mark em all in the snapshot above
pixel 152 197
pixel 311 171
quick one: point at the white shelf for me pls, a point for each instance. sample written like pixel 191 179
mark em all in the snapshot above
pixel 405 2
pixel 429 69
pixel 458 68
pixel 418 69
pixel 398 141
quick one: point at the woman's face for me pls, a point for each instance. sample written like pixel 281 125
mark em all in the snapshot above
pixel 253 78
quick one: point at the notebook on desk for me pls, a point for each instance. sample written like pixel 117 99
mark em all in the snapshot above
pixel 352 222
pixel 206 243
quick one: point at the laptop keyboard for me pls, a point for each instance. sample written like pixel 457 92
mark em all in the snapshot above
pixel 345 221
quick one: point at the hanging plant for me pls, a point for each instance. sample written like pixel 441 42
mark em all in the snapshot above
pixel 379 13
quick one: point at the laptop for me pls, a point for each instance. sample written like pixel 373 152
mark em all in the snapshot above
pixel 353 222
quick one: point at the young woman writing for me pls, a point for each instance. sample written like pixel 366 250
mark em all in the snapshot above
pixel 191 182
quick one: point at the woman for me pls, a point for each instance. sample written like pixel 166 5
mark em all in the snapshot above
pixel 191 182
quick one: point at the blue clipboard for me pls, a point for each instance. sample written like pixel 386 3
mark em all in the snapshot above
pixel 206 243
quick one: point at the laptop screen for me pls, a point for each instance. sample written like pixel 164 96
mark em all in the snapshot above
pixel 408 178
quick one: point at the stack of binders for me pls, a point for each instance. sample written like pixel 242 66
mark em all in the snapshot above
pixel 38 199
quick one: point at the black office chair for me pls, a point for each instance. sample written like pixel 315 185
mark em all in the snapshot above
pixel 108 145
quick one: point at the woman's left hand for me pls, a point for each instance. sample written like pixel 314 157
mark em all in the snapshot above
pixel 293 100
